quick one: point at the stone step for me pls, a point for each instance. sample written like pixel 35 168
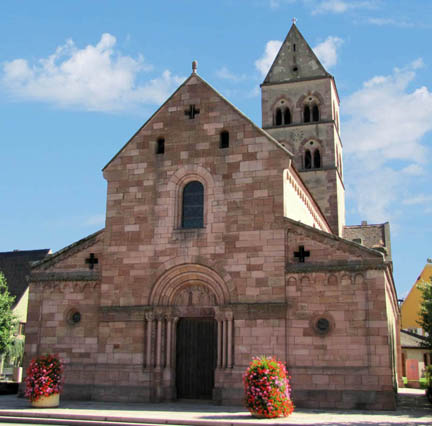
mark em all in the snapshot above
pixel 71 422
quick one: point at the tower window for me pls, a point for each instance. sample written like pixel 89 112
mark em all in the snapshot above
pixel 287 116
pixel 160 146
pixel 317 159
pixel 294 47
pixel 224 139
pixel 193 205
pixel 282 116
pixel 306 114
pixel 308 160
pixel 278 117
pixel 315 113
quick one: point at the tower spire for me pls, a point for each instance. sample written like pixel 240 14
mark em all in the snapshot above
pixel 295 60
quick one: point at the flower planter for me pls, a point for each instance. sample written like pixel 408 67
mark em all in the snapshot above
pixel 262 416
pixel 44 381
pixel 267 389
pixel 49 401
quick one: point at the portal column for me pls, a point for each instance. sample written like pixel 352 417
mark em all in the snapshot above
pixel 168 341
pixel 230 345
pixel 158 342
pixel 219 342
pixel 224 343
pixel 149 321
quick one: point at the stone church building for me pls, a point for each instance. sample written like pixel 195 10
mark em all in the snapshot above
pixel 223 241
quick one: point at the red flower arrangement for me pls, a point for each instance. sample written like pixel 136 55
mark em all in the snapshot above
pixel 44 377
pixel 267 388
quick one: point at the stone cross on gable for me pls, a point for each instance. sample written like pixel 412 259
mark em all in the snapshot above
pixel 92 261
pixel 301 254
pixel 192 111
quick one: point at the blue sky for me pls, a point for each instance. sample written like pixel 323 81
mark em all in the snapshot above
pixel 78 78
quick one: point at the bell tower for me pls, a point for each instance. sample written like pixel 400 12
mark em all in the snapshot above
pixel 300 108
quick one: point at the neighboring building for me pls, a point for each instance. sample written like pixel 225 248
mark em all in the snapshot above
pixel 16 267
pixel 224 241
pixel 410 307
pixel 415 357
pixel 414 352
pixel 375 236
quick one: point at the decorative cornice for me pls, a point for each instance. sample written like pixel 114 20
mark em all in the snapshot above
pixel 354 266
pixel 90 275
pixel 250 311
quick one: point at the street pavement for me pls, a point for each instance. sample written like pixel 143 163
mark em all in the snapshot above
pixel 413 409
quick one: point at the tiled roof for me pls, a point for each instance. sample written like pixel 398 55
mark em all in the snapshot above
pixel 376 236
pixel 15 266
pixel 411 340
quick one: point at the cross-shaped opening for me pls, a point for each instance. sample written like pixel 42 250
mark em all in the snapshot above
pixel 92 261
pixel 192 112
pixel 301 254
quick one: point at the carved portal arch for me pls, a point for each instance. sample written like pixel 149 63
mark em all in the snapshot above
pixel 189 285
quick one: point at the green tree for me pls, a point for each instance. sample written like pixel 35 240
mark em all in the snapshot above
pixel 426 311
pixel 7 318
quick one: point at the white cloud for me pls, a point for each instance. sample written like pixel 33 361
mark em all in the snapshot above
pixel 339 6
pixel 413 170
pixel 329 6
pixel 96 78
pixel 264 63
pixel 387 119
pixel 388 122
pixel 389 21
pixel 274 4
pixel 226 74
pixel 334 6
pixel 327 51
pixel 373 190
pixel 418 199
pixel 95 220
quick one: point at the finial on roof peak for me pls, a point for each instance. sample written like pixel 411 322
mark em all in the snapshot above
pixel 194 66
pixel 294 20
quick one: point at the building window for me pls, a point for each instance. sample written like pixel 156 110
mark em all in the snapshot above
pixel 282 116
pixel 315 113
pixel 306 114
pixel 308 160
pixel 224 139
pixel 193 205
pixel 317 159
pixel 278 117
pixel 287 116
pixel 73 317
pixel 160 146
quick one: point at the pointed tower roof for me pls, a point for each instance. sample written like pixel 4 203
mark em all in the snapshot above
pixel 295 61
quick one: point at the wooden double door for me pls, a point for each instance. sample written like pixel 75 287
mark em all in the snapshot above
pixel 196 350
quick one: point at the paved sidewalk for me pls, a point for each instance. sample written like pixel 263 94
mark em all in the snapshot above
pixel 414 409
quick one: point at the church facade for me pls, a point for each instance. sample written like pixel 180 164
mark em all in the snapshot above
pixel 224 241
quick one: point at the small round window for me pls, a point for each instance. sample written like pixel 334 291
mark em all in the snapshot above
pixel 73 317
pixel 322 324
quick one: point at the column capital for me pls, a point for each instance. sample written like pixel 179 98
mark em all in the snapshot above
pixel 149 316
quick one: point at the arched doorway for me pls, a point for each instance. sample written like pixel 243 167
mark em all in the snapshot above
pixel 196 354
pixel 187 334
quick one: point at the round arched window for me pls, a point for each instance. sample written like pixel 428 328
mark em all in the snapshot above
pixel 193 205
